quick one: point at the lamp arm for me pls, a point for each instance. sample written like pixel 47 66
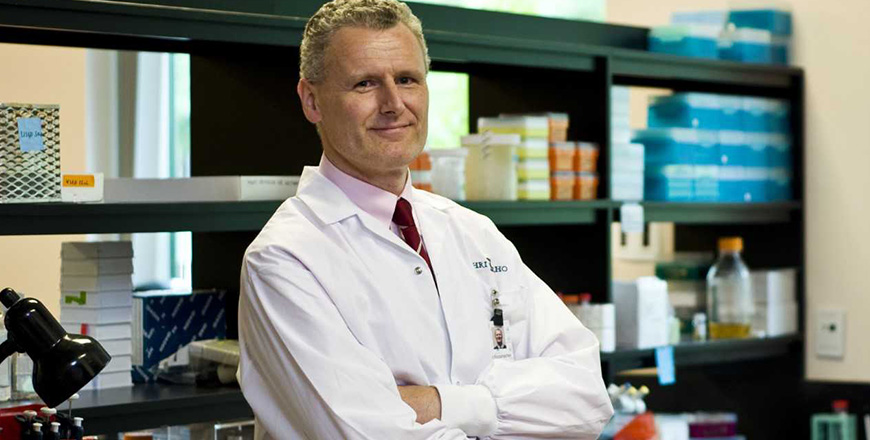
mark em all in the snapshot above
pixel 7 348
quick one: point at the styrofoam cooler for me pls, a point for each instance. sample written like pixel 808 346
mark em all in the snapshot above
pixel 123 330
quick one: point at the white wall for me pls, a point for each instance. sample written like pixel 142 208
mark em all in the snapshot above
pixel 44 75
pixel 832 43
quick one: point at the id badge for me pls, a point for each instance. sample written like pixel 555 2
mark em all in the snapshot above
pixel 501 341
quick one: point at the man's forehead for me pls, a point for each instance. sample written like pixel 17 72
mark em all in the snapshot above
pixel 353 49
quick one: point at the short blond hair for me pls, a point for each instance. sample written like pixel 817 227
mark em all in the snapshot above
pixel 336 14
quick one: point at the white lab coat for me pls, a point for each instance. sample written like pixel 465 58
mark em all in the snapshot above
pixel 333 315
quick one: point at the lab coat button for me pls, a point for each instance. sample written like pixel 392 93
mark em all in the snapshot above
pixel 418 270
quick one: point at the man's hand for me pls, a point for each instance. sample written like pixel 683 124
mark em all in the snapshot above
pixel 425 401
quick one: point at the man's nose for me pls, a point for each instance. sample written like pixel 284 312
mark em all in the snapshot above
pixel 391 99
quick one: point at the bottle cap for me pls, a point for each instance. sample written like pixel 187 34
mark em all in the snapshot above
pixel 37 426
pixel 585 298
pixel 730 244
pixel 841 405
pixel 55 427
pixel 48 411
pixel 570 298
pixel 77 421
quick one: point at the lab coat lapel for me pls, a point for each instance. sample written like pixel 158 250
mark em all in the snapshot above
pixel 331 205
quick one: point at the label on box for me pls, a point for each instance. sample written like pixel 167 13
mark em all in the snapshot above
pixel 77 188
pixel 30 134
pixel 631 217
pixel 665 365
pixel 78 181
pixel 81 298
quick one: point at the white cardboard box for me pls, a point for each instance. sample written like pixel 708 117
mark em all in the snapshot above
pixel 102 283
pixel 117 347
pixel 97 266
pixel 122 363
pixel 201 189
pixel 108 315
pixel 86 299
pixel 80 250
pixel 775 319
pixel 100 332
pixel 641 313
pixel 774 286
pixel 115 379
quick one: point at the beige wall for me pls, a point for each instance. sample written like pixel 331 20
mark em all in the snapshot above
pixel 832 43
pixel 44 75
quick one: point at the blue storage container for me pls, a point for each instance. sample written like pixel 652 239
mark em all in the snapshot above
pixel 746 45
pixel 754 115
pixel 743 184
pixel 669 183
pixel 731 107
pixel 733 148
pixel 778 117
pixel 781 47
pixel 710 17
pixel 687 40
pixel 779 185
pixel 705 184
pixel 757 149
pixel 779 154
pixel 679 146
pixel 687 110
pixel 776 21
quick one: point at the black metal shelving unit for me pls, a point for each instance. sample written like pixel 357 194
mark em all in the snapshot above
pixel 247 53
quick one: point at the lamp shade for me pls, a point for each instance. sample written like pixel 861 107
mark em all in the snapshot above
pixel 62 363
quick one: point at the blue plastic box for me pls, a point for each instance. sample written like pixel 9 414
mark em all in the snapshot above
pixel 779 153
pixel 754 115
pixel 747 46
pixel 780 50
pixel 669 183
pixel 779 185
pixel 757 151
pixel 687 110
pixel 778 116
pixel 731 112
pixel 687 40
pixel 733 149
pixel 679 146
pixel 743 184
pixel 777 21
pixel 705 184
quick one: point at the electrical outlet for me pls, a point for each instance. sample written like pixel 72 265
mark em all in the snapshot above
pixel 831 333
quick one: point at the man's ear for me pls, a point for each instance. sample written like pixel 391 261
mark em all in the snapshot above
pixel 309 104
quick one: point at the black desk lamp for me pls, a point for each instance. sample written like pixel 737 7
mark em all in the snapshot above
pixel 62 363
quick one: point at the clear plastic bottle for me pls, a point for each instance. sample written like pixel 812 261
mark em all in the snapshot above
pixel 730 305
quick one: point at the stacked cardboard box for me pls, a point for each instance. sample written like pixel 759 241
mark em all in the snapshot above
pixel 96 300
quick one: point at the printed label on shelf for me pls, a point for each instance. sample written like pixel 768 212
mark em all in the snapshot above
pixel 78 181
pixel 30 134
pixel 665 365
pixel 631 217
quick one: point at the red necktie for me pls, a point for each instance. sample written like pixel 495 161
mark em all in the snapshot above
pixel 403 218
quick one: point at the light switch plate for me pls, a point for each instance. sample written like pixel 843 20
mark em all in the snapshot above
pixel 831 333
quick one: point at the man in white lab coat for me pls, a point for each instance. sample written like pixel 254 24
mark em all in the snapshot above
pixel 370 309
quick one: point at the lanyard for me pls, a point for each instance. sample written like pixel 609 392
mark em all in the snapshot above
pixel 497 312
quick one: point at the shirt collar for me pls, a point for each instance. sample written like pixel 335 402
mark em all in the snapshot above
pixel 377 202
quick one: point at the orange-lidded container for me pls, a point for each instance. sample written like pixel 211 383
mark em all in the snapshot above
pixel 586 158
pixel 558 127
pixel 562 186
pixel 586 186
pixel 562 156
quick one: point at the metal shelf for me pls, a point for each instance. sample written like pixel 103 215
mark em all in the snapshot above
pixel 540 213
pixel 707 353
pixel 719 213
pixel 68 218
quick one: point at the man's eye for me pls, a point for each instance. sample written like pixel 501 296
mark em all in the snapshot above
pixel 406 80
pixel 363 84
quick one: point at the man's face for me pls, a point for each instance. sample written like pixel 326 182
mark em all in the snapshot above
pixel 499 337
pixel 372 104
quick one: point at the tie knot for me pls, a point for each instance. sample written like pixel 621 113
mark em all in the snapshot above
pixel 402 216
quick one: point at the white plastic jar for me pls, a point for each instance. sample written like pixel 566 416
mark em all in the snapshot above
pixel 491 167
pixel 448 172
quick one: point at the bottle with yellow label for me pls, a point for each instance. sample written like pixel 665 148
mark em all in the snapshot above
pixel 729 293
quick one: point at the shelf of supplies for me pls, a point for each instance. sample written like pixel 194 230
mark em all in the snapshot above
pixel 708 352
pixel 634 67
pixel 504 213
pixel 146 406
pixel 719 213
pixel 69 218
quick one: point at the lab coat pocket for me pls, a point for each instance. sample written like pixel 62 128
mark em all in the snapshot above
pixel 513 302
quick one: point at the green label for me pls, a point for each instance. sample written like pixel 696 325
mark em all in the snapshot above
pixel 81 299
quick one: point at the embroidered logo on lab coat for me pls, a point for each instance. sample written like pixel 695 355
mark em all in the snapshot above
pixel 489 265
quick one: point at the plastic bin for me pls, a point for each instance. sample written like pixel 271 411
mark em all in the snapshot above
pixel 562 156
pixel 533 169
pixel 669 183
pixel 562 186
pixel 687 110
pixel 757 153
pixel 780 50
pixel 746 45
pixel 448 172
pixel 776 20
pixel 587 158
pixel 710 17
pixel 534 189
pixel 778 117
pixel 779 185
pixel 688 40
pixel 731 108
pixel 705 183
pixel 778 151
pixel 679 146
pixel 754 114
pixel 743 184
pixel 586 186
pixel 535 148
pixel 528 127
pixel 490 169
